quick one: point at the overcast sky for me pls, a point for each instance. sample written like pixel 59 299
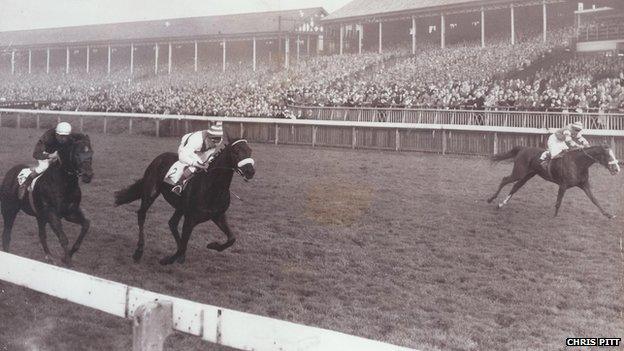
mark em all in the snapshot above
pixel 29 14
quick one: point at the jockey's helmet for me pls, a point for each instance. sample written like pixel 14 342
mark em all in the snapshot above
pixel 63 128
pixel 216 131
pixel 577 126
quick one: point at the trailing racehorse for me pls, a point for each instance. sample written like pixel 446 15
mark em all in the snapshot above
pixel 569 170
pixel 56 195
pixel 206 197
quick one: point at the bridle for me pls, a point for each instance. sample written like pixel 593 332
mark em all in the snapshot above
pixel 613 162
pixel 241 163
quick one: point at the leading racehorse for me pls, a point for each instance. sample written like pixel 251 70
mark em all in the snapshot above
pixel 569 170
pixel 56 195
pixel 206 197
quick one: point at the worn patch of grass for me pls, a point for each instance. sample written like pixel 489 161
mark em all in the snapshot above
pixel 420 260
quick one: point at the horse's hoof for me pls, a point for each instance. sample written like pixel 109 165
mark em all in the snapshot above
pixel 181 259
pixel 137 256
pixel 67 262
pixel 489 201
pixel 167 260
pixel 610 216
pixel 499 206
pixel 49 259
pixel 214 246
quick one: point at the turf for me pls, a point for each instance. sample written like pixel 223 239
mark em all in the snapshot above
pixel 399 247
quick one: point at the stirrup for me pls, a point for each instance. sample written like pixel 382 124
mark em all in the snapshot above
pixel 177 190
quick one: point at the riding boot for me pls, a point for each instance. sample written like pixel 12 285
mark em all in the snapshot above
pixel 22 188
pixel 544 164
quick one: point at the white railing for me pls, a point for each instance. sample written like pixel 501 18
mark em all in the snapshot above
pixel 222 326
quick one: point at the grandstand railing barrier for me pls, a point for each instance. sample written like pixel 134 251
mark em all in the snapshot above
pixel 490 117
pixel 438 137
pixel 214 324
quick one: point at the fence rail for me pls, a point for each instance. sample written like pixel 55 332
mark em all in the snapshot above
pixel 399 136
pixel 518 119
pixel 214 324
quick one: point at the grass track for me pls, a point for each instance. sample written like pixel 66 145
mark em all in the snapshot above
pixel 399 247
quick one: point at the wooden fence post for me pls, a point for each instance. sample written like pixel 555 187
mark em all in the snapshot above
pixel 130 126
pixel 353 138
pixel 38 121
pixel 19 121
pixel 105 124
pixel 242 129
pixel 158 128
pixel 81 124
pixel 314 128
pixel 495 143
pixel 397 140
pixel 153 323
pixel 276 133
pixel 443 142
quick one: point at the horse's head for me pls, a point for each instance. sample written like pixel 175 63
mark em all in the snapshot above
pixel 81 154
pixel 604 155
pixel 240 152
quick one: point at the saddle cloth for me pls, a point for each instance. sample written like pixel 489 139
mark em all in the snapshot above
pixel 23 175
pixel 175 173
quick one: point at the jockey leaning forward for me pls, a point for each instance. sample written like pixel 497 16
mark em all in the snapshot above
pixel 46 152
pixel 197 150
pixel 566 138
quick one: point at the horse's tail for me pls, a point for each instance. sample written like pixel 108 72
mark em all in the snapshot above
pixel 507 155
pixel 129 194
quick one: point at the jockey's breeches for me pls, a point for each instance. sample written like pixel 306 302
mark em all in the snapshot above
pixel 556 146
pixel 191 158
pixel 42 165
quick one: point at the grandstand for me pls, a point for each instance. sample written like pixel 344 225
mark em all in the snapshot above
pixel 459 54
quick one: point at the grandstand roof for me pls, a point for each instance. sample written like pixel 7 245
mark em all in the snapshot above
pixel 367 8
pixel 237 25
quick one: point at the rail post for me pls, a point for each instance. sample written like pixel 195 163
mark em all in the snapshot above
pixel 397 140
pixel 19 121
pixel 443 142
pixel 158 128
pixel 38 121
pixel 276 133
pixel 81 124
pixel 242 129
pixel 105 124
pixel 130 126
pixel 495 148
pixel 314 135
pixel 353 138
pixel 152 324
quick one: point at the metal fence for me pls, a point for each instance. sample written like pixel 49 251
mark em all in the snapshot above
pixel 443 138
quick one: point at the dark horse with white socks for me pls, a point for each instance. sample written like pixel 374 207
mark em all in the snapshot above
pixel 569 170
pixel 56 196
pixel 206 197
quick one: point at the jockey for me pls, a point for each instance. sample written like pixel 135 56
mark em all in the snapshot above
pixel 196 147
pixel 46 151
pixel 568 137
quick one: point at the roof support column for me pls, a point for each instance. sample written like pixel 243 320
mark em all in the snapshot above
pixel 341 38
pixel 47 60
pixel 195 57
pixel 442 31
pixel 513 25
pixel 108 68
pixel 482 27
pixel 88 54
pixel 169 59
pixel 380 37
pixel 29 61
pixel 545 20
pixel 13 62
pixel 360 38
pixel 131 58
pixel 297 47
pixel 224 57
pixel 67 60
pixel 156 58
pixel 287 52
pixel 413 35
pixel 254 54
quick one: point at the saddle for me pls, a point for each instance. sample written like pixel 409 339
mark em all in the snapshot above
pixel 176 171
pixel 23 175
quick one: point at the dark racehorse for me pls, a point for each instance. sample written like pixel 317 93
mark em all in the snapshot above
pixel 56 196
pixel 569 170
pixel 206 197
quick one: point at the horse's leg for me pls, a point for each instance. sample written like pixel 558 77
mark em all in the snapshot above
pixel 146 201
pixel 77 216
pixel 562 190
pixel 9 213
pixel 505 181
pixel 43 238
pixel 174 221
pixel 222 223
pixel 586 188
pixel 519 184
pixel 180 254
pixel 57 228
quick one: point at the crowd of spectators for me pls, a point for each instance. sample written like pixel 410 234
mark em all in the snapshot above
pixel 462 76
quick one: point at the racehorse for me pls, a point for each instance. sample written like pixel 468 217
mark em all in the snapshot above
pixel 56 195
pixel 569 170
pixel 206 197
